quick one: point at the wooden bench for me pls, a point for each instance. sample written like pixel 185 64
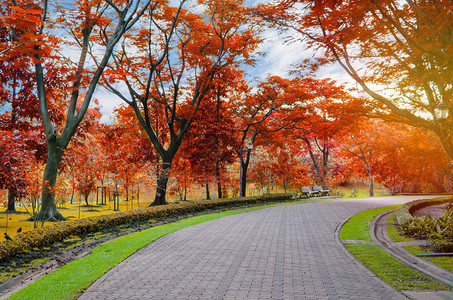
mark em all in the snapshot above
pixel 307 191
pixel 319 189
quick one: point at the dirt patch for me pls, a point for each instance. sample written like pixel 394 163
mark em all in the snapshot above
pixel 436 211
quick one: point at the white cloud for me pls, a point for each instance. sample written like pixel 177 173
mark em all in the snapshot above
pixel 279 56
pixel 108 102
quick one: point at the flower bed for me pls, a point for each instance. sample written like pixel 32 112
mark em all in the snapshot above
pixel 438 231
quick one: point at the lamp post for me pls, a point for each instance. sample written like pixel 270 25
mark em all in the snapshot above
pixel 441 111
pixel 244 165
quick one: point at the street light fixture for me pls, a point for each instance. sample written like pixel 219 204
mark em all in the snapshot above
pixel 442 111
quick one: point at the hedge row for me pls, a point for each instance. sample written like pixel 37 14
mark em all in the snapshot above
pixel 404 212
pixel 55 232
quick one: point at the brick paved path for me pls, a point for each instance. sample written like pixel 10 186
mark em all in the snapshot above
pixel 287 252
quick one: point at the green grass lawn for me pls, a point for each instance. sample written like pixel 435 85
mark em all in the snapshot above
pixel 358 227
pixel 445 262
pixel 391 270
pixel 384 265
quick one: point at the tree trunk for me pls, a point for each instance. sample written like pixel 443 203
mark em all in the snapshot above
pixel 12 195
pixel 86 199
pixel 162 181
pixel 72 193
pixel 127 198
pixel 49 211
pixel 325 162
pixel 444 136
pixel 315 162
pixel 185 188
pixel 217 175
pixel 208 196
pixel 370 185
pixel 12 189
pixel 370 180
pixel 116 198
pixel 138 196
pixel 217 157
pixel 243 177
pixel 448 178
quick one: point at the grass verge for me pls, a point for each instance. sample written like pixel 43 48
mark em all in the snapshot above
pixel 384 265
pixel 445 262
pixel 358 227
pixel 394 234
pixel 68 281
pixel 391 270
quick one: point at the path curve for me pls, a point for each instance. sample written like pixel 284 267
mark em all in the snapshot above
pixel 285 252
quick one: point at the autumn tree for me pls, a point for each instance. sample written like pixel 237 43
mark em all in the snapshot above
pixel 20 135
pixel 211 143
pixel 417 165
pixel 132 151
pixel 271 108
pixel 182 176
pixel 331 109
pixel 85 21
pixel 124 150
pixel 319 150
pixel 398 52
pixel 83 169
pixel 83 160
pixel 170 63
pixel 280 164
pixel 368 141
pixel 18 121
pixel 214 127
pixel 17 157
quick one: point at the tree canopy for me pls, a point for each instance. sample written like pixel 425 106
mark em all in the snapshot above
pixel 191 115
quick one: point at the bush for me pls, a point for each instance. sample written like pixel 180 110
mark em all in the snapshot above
pixel 441 246
pixel 438 231
pixel 55 232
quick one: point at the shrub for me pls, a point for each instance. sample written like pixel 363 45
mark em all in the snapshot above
pixel 55 232
pixel 438 231
pixel 441 245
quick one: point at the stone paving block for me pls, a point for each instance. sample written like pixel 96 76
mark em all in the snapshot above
pixel 286 252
